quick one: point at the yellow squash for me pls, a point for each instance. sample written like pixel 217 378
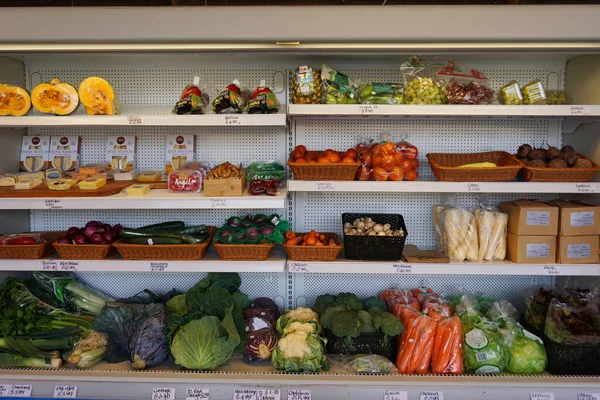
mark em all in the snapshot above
pixel 14 100
pixel 479 165
pixel 98 97
pixel 55 97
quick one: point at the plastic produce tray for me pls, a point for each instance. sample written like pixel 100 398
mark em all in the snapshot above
pixel 375 247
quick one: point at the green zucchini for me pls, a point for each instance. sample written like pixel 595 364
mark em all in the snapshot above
pixel 164 226
pixel 192 230
pixel 128 233
pixel 155 240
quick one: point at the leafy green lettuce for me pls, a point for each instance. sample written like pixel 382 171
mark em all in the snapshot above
pixel 526 353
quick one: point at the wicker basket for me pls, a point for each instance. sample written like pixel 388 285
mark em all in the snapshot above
pixel 323 172
pixel 166 252
pixel 533 174
pixel 31 252
pixel 250 252
pixel 83 251
pixel 313 253
pixel 444 167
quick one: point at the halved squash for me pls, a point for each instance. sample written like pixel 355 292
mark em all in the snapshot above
pixel 14 100
pixel 55 97
pixel 98 97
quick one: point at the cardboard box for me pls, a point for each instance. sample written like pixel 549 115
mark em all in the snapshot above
pixel 578 249
pixel 531 249
pixel 180 150
pixel 577 218
pixel 225 187
pixel 64 152
pixel 34 153
pixel 120 152
pixel 531 218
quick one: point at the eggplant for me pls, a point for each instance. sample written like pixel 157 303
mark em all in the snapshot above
pixel 149 344
pixel 253 324
pixel 260 345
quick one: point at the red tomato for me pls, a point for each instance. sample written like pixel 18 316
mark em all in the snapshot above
pixel 297 154
pixel 23 240
pixel 302 148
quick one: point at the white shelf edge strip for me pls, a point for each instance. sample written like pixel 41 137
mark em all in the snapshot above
pixel 155 199
pixel 443 187
pixel 402 268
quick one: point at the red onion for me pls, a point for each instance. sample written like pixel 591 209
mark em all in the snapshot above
pixel 90 230
pixel 80 239
pixel 109 236
pixel 117 229
pixel 72 232
pixel 107 227
pixel 63 240
pixel 97 238
pixel 94 223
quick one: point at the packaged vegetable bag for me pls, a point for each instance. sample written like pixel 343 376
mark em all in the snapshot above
pixel 526 352
pixel 447 357
pixel 485 351
pixel 416 345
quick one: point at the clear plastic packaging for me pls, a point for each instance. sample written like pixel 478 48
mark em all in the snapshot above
pixel 337 87
pixel 555 97
pixel 461 238
pixel 570 323
pixel 416 344
pixel 510 94
pixel 464 87
pixel 193 100
pixel 363 363
pixel 22 239
pixel 382 161
pixel 419 82
pixel 447 357
pixel 307 86
pixel 185 181
pixel 231 100
pixel 492 232
pixel 534 93
pixel 526 351
pixel 263 101
pixel 382 93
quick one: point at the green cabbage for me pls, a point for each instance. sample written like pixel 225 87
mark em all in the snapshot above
pixel 205 343
pixel 485 352
pixel 526 353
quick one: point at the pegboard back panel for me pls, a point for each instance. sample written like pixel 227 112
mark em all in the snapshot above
pixel 307 287
pixel 322 211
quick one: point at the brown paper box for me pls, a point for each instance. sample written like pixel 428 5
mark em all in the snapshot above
pixel 531 217
pixel 531 249
pixel 577 218
pixel 577 249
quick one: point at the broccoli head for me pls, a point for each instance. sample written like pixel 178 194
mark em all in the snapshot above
pixel 330 312
pixel 387 323
pixel 374 302
pixel 351 300
pixel 367 322
pixel 346 324
pixel 322 302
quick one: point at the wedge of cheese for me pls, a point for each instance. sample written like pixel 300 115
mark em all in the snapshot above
pixel 28 184
pixel 7 181
pixel 150 176
pixel 126 175
pixel 61 184
pixel 139 189
pixel 92 183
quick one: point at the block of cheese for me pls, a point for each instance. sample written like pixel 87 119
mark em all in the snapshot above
pixel 31 176
pixel 76 175
pixel 150 176
pixel 139 189
pixel 28 184
pixel 52 174
pixel 92 168
pixel 92 183
pixel 61 184
pixel 126 175
pixel 7 181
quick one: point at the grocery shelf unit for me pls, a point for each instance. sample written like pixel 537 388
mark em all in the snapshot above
pixel 149 64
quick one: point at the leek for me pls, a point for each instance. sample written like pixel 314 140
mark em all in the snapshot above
pixel 13 360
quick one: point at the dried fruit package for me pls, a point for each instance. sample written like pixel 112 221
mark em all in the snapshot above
pixel 193 100
pixel 464 87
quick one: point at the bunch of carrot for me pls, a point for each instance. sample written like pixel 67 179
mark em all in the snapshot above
pixel 311 238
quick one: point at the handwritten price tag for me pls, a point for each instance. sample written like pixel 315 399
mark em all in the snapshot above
pixel 65 392
pixel 473 187
pixel 551 270
pixel 232 120
pixel 395 395
pixel 20 391
pixel 298 267
pixel 299 395
pixel 244 394
pixel 163 394
pixel 197 394
pixel 542 396
pixel 325 186
pixel 402 268
pixel 367 109
pixel 159 266
pixel 580 110
pixel 218 203
pixel 431 396
pixel 268 394
pixel 50 266
pixel 68 265
pixel 588 396
pixel 584 188
pixel 134 120
pixel 4 390
pixel 53 204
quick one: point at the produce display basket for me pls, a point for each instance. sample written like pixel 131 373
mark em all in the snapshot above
pixel 83 251
pixel 165 252
pixel 445 166
pixel 375 247
pixel 568 359
pixel 249 252
pixel 31 252
pixel 366 343
pixel 323 172
pixel 533 174
pixel 313 253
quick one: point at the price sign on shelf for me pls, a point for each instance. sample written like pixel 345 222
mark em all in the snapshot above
pixel 542 396
pixel 431 396
pixel 588 396
pixel 551 270
pixel 4 390
pixel 244 394
pixel 268 394
pixel 50 265
pixel 197 394
pixel 580 110
pixel 299 267
pixel 68 265
pixel 65 392
pixel 299 395
pixel 473 187
pixel 163 394
pixel 367 109
pixel 402 268
pixel 395 395
pixel 584 188
pixel 325 186
pixel 20 391
pixel 233 120
pixel 218 203
pixel 159 266
pixel 134 120
pixel 53 204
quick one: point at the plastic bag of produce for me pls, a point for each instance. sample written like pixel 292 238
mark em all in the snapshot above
pixel 419 82
pixel 381 161
pixel 393 297
pixel 573 324
pixel 231 100
pixel 382 93
pixel 502 313
pixel 485 351
pixel 193 99
pixel 337 87
pixel 461 87
pixel 263 101
pixel 307 86
pixel 447 357
pixel 363 363
pixel 416 344
pixel 492 233
pixel 461 238
pixel 538 301
pixel 526 352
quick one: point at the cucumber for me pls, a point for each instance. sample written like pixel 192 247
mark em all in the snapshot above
pixel 155 240
pixel 164 226
pixel 193 230
pixel 131 233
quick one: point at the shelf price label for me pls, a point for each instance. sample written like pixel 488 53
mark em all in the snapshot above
pixel 325 186
pixel 367 109
pixel 65 392
pixel 68 265
pixel 551 270
pixel 20 391
pixel 473 187
pixel 53 204
pixel 134 120
pixel 542 396
pixel 299 267
pixel 159 266
pixel 218 203
pixel 580 110
pixel 197 394
pixel 4 390
pixel 268 394
pixel 50 265
pixel 584 188
pixel 233 120
pixel 588 396
pixel 402 268
pixel 244 394
pixel 395 395
pixel 299 395
pixel 163 394
pixel 431 396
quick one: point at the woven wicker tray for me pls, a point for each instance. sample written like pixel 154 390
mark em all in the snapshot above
pixel 83 251
pixel 31 252
pixel 250 252
pixel 166 252
pixel 532 174
pixel 323 172
pixel 444 166
pixel 313 253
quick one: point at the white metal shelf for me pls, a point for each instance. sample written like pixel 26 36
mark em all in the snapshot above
pixel 466 268
pixel 155 199
pixel 446 110
pixel 146 116
pixel 443 187
pixel 210 263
